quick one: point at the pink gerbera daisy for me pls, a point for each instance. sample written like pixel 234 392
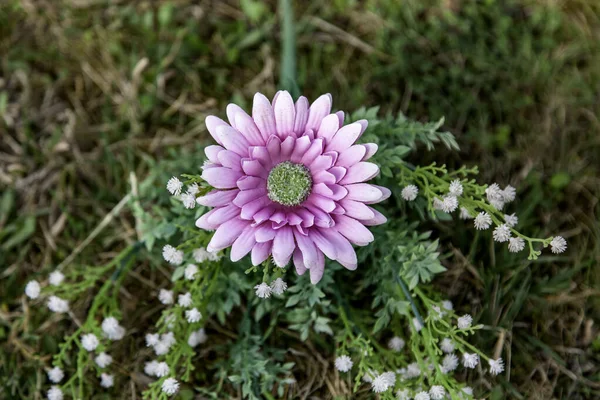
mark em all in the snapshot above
pixel 289 181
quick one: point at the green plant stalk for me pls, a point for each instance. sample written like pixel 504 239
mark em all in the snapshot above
pixel 287 79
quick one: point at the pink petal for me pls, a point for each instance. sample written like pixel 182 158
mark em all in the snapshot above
pixel 263 116
pixel 212 123
pixel 317 111
pixel 283 246
pixel 321 163
pixel 302 144
pixel 263 214
pixel 309 250
pixel 233 140
pixel 260 252
pixel 315 149
pixel 203 223
pixel 245 124
pixel 246 196
pixel 212 152
pixel 337 192
pixel 316 272
pixel 322 189
pixel 324 177
pixel 351 156
pixel 338 172
pixel 285 114
pixel 226 234
pixel 308 218
pixel 344 138
pixel 264 233
pixel 371 149
pixel 299 263
pixel 274 148
pixel 301 115
pixel 364 124
pixel 357 210
pixel 378 219
pixel 329 126
pixel 322 202
pixel 322 219
pixel 223 214
pixel 363 192
pixel 261 154
pixel 243 244
pixel 293 218
pixel 254 168
pixel 385 194
pixel 345 253
pixel 249 209
pixel 251 182
pixel 230 159
pixel 323 243
pixel 340 115
pixel 221 178
pixel 217 198
pixel 353 230
pixel 363 171
pixel 287 146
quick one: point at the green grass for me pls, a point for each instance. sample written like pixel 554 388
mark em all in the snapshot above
pixel 92 93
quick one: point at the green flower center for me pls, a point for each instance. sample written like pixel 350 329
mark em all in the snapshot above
pixel 289 184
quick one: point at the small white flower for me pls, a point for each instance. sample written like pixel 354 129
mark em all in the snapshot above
pixel 188 200
pixel 89 341
pixel 483 221
pixel 56 278
pixel 170 386
pixel 161 348
pixel 449 363
pixel 263 290
pixel 185 300
pixel 55 393
pixel 449 204
pixel 447 305
pixel 103 360
pixel 214 256
pixel 447 345
pixel 436 312
pixel 174 186
pixel 112 329
pixel 468 390
pixel 403 394
pixel 193 189
pixel 470 360
pixel 396 343
pixel 558 244
pixel 496 366
pixel 168 338
pixel 278 286
pixel 495 196
pixel 465 321
pixel 511 220
pixel 498 204
pixel 501 233
pixel 56 374
pixel 410 192
pixel 197 337
pixel 165 296
pixel 412 371
pixel 418 326
pixel 438 204
pixel 456 188
pixel 150 368
pixel 32 289
pixel 107 380
pixel 465 214
pixel 390 378
pixel 190 272
pixel 509 193
pixel 369 376
pixel 343 363
pixel 516 244
pixel 200 255
pixel 380 384
pixel 152 339
pixel 162 369
pixel 193 315
pixel 172 255
pixel 58 305
pixel 422 396
pixel 437 392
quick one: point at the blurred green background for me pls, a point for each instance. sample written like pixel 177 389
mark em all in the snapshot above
pixel 91 90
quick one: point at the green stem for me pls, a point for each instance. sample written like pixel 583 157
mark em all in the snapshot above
pixel 288 51
pixel 410 300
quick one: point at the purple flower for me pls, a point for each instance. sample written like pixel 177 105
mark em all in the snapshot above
pixel 290 182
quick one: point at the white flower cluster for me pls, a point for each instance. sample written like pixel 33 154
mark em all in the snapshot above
pixel 160 343
pixel 175 187
pixel 383 382
pixel 277 287
pixel 499 197
pixel 112 330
